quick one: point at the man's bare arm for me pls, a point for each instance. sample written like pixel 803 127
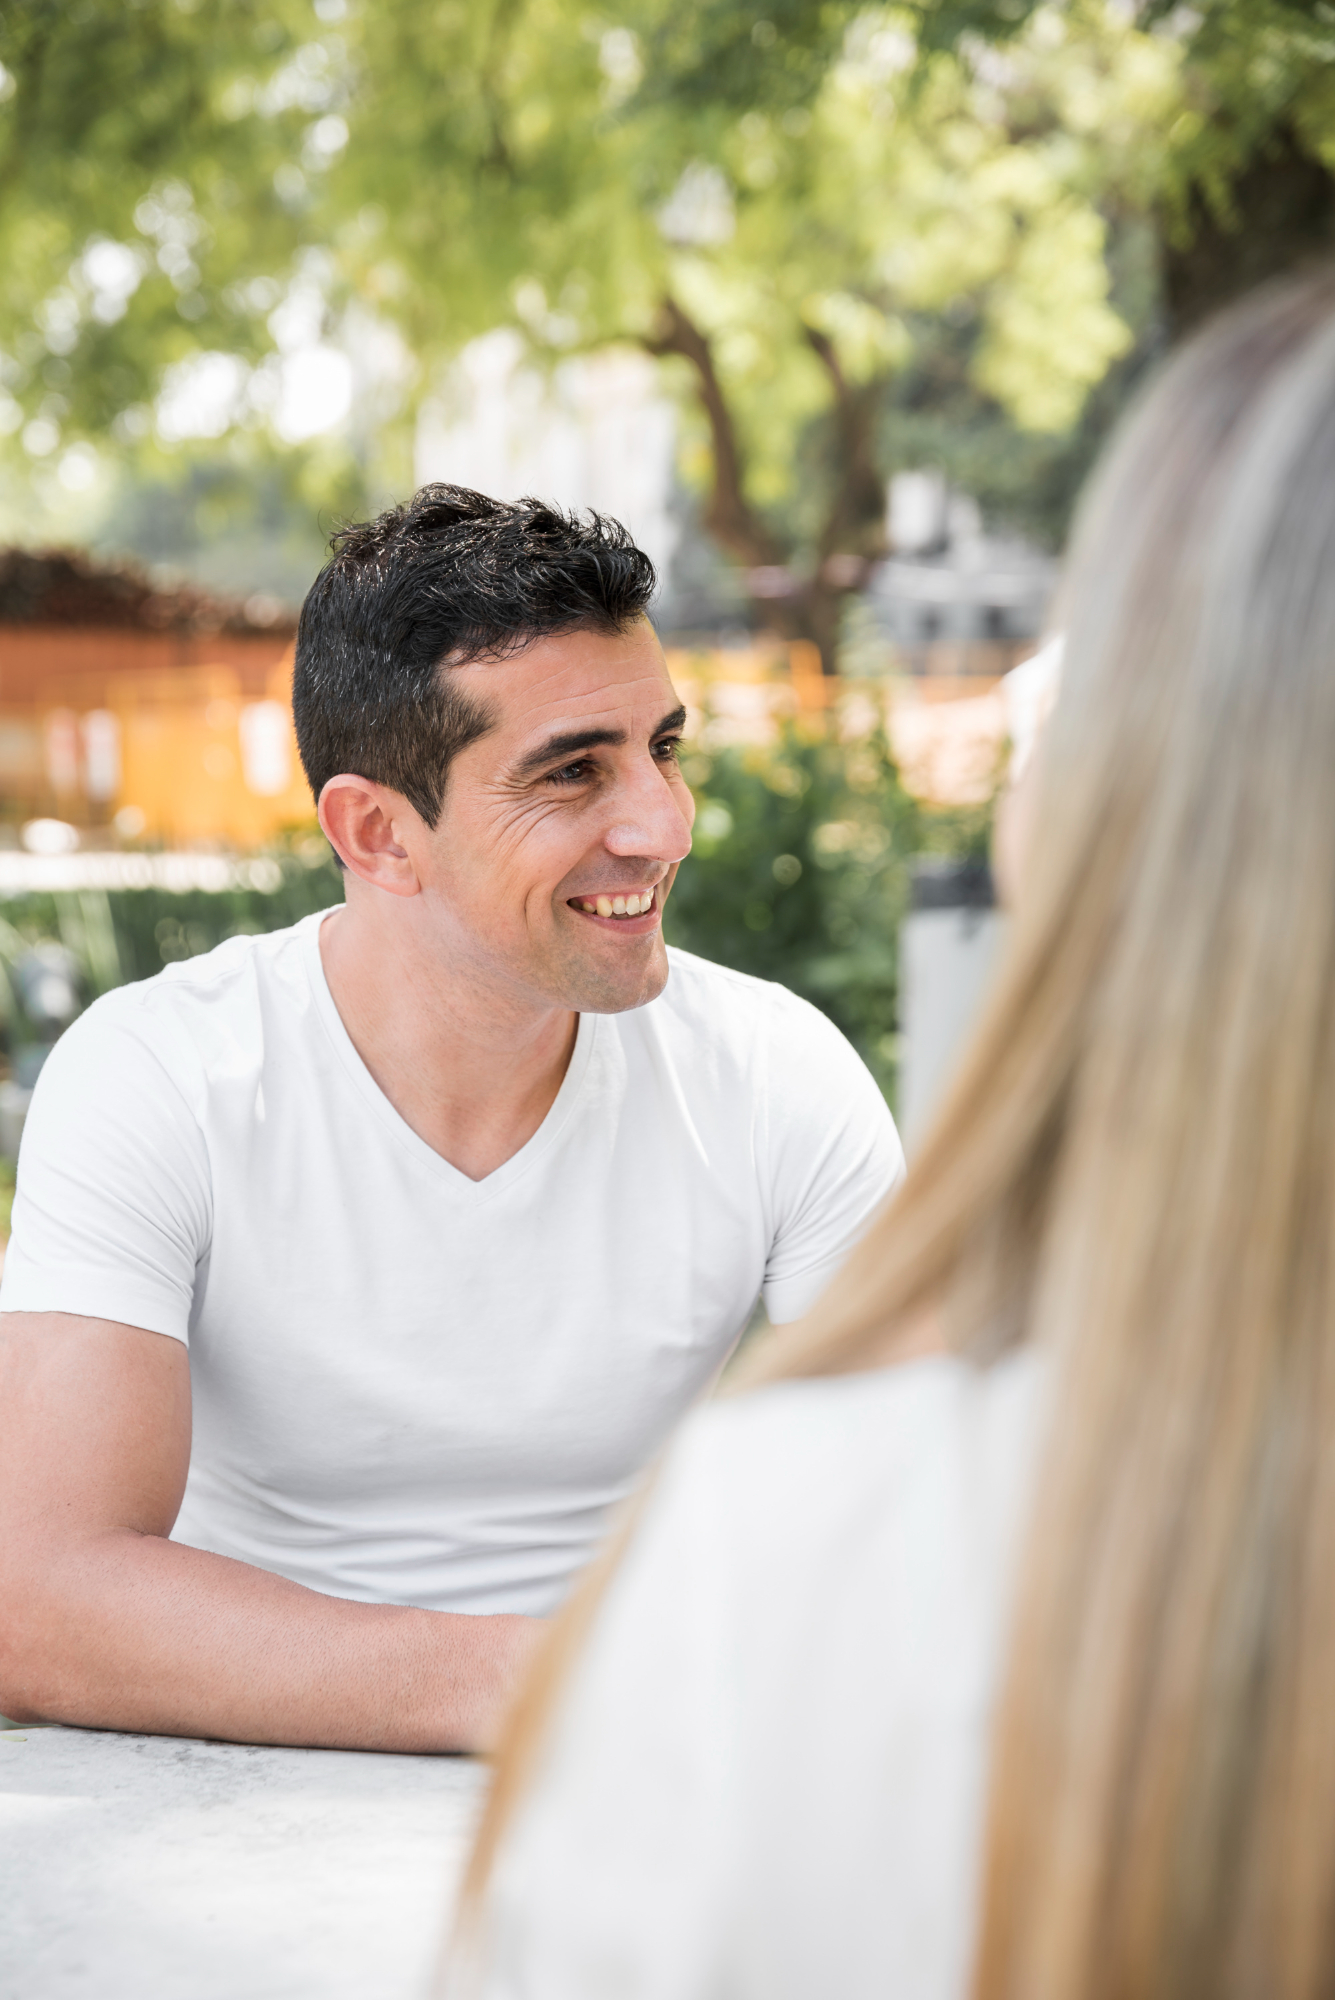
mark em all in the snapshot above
pixel 106 1623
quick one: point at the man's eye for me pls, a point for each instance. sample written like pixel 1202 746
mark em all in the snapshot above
pixel 570 774
pixel 666 750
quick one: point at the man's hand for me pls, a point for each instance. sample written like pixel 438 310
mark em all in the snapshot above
pixel 107 1624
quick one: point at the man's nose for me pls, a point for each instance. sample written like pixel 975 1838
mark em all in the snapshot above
pixel 648 818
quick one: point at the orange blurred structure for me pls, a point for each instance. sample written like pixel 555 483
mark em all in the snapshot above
pixel 165 716
pixel 948 731
pixel 739 693
pixel 161 715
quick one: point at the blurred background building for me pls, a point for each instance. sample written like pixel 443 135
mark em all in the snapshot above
pixel 132 713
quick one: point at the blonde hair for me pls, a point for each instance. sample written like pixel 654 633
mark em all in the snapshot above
pixel 1135 1168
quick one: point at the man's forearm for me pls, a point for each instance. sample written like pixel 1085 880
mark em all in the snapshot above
pixel 130 1631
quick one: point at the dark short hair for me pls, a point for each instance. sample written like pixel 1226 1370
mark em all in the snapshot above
pixel 449 578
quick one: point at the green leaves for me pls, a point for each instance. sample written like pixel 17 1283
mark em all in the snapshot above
pixel 717 58
pixel 139 134
pixel 451 160
pixel 799 872
pixel 836 195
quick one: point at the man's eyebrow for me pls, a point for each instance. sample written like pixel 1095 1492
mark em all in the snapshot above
pixel 568 744
pixel 571 741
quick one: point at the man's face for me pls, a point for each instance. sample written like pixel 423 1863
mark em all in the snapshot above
pixel 569 809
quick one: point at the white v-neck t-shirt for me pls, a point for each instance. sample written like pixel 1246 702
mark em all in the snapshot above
pixel 410 1387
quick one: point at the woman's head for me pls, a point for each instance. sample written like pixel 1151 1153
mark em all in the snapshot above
pixel 1185 791
pixel 1166 991
pixel 1164 1206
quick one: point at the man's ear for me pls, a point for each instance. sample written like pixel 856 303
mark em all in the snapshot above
pixel 364 823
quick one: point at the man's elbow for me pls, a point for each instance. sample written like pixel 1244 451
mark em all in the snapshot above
pixel 22 1695
pixel 34 1662
pixel 14 1709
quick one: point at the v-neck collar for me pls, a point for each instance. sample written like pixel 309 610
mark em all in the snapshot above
pixel 459 1184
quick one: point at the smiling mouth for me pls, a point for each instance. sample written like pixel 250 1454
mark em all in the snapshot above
pixel 636 904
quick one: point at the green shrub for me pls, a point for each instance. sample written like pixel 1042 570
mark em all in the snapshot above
pixel 126 934
pixel 800 873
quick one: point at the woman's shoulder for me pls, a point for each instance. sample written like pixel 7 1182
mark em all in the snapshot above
pixel 874 1512
pixel 813 1447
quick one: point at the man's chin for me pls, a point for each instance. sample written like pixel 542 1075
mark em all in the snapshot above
pixel 593 986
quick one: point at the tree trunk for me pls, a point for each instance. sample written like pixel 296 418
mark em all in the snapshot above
pixel 729 515
pixel 854 532
pixel 855 524
pixel 781 602
pixel 1284 216
pixel 818 615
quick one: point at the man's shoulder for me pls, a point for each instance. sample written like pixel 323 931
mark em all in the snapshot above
pixel 194 1001
pixel 716 998
pixel 714 1006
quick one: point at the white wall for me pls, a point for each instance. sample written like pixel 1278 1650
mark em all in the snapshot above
pixel 946 958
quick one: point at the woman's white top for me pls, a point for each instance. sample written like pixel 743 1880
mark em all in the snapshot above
pixel 767 1776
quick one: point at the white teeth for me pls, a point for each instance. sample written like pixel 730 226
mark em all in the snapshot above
pixel 619 906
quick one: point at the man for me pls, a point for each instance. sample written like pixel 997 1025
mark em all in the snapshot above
pixel 358 1269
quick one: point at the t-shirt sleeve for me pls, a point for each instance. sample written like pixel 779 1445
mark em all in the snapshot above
pixel 113 1209
pixel 614 1878
pixel 833 1154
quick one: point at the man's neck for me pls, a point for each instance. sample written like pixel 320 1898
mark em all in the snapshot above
pixel 472 1067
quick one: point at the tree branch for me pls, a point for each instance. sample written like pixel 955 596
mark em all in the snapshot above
pixel 27 61
pixel 853 523
pixel 499 157
pixel 729 515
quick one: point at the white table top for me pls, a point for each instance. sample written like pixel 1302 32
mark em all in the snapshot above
pixel 160 1868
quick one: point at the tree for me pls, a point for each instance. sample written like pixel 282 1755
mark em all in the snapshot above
pixel 1245 179
pixel 831 223
pixel 122 172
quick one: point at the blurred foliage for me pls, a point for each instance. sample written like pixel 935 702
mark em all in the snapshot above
pixel 116 128
pixel 242 518
pixel 124 934
pixel 794 209
pixel 1251 70
pixel 1025 480
pixel 154 928
pixel 720 58
pixel 853 233
pixel 799 871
